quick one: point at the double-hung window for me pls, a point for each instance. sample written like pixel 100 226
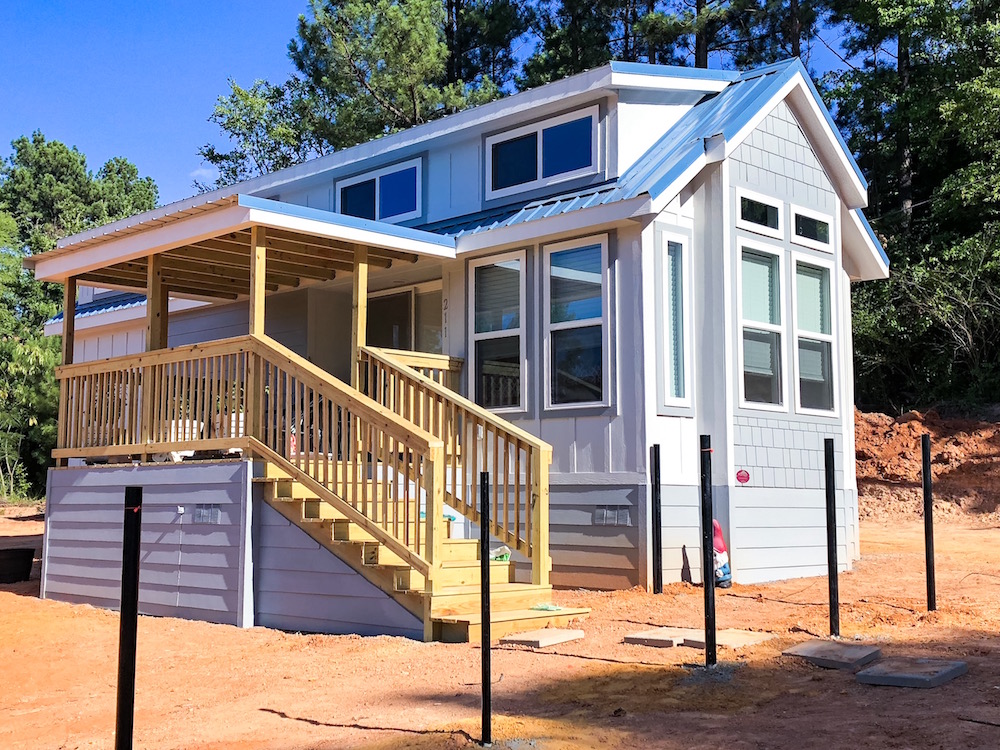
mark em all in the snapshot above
pixel 575 299
pixel 560 148
pixel 497 324
pixel 761 327
pixel 814 337
pixel 671 301
pixel 389 194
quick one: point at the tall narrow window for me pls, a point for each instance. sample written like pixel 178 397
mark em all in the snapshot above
pixel 814 333
pixel 497 331
pixel 576 304
pixel 762 328
pixel 673 312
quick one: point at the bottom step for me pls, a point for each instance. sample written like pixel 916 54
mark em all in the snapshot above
pixel 464 628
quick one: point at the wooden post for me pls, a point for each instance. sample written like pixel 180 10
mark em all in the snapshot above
pixel 258 269
pixel 69 320
pixel 156 330
pixel 255 385
pixel 359 312
pixel 434 529
pixel 541 563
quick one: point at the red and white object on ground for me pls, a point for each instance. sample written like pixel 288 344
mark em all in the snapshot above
pixel 723 573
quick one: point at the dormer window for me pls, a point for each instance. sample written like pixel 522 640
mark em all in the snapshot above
pixel 544 153
pixel 389 194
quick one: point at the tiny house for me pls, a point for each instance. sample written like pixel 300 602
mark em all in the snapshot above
pixel 309 371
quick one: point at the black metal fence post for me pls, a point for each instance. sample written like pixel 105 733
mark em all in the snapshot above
pixel 656 518
pixel 484 565
pixel 129 619
pixel 925 446
pixel 708 549
pixel 831 538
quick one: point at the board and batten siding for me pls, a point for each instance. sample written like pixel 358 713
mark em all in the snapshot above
pixel 301 586
pixel 777 519
pixel 188 568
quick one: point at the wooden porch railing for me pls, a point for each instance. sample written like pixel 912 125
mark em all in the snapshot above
pixel 475 440
pixel 440 368
pixel 252 394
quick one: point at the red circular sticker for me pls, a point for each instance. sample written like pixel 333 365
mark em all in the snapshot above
pixel 742 476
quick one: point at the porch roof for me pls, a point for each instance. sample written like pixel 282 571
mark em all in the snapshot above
pixel 206 247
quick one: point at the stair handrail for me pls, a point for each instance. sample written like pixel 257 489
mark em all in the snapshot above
pixel 422 462
pixel 447 414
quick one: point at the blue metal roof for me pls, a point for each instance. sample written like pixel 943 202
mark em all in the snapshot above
pixel 110 303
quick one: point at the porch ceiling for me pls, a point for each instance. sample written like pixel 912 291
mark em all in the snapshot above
pixel 206 251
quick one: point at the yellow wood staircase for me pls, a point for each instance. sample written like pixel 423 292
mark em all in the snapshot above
pixel 367 473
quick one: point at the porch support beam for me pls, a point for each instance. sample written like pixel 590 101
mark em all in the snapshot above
pixel 359 312
pixel 69 320
pixel 258 275
pixel 156 329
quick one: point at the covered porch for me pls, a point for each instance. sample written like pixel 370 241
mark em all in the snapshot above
pixel 383 448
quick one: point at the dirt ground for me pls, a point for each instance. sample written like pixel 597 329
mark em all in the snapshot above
pixel 214 687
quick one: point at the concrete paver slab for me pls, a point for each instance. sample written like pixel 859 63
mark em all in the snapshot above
pixel 835 654
pixel 909 672
pixel 544 637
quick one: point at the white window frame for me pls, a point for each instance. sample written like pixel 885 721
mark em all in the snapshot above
pixel 763 248
pixel 414 290
pixel 592 111
pixel 662 312
pixel 548 326
pixel 831 338
pixel 749 226
pixel 806 241
pixel 474 338
pixel 377 175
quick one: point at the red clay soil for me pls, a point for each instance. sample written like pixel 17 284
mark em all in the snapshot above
pixel 214 687
pixel 965 464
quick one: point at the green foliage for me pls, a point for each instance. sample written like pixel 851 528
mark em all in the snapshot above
pixel 365 68
pixel 46 191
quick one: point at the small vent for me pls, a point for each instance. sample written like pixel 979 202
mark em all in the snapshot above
pixel 210 513
pixel 613 515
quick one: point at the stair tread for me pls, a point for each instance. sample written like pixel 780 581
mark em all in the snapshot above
pixel 476 618
pixel 495 587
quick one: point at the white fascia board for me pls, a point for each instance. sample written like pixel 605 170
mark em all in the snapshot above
pixel 868 263
pixel 851 190
pixel 185 231
pixel 348 234
pixel 666 83
pixel 573 221
pixel 115 318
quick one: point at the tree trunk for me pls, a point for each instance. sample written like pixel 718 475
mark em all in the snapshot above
pixel 450 26
pixel 651 49
pixel 795 28
pixel 905 149
pixel 700 36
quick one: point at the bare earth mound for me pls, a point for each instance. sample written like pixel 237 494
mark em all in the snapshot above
pixel 965 463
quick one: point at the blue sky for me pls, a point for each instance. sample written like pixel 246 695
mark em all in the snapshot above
pixel 135 79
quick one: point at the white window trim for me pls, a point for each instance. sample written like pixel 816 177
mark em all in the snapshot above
pixel 749 226
pixel 474 338
pixel 414 290
pixel 782 329
pixel 830 338
pixel 377 175
pixel 806 241
pixel 663 359
pixel 595 152
pixel 549 326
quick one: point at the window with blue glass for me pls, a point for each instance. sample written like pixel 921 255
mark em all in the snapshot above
pixel 389 194
pixel 543 153
pixel 576 321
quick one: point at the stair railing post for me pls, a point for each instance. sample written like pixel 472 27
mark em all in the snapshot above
pixel 434 522
pixel 541 564
pixel 486 620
